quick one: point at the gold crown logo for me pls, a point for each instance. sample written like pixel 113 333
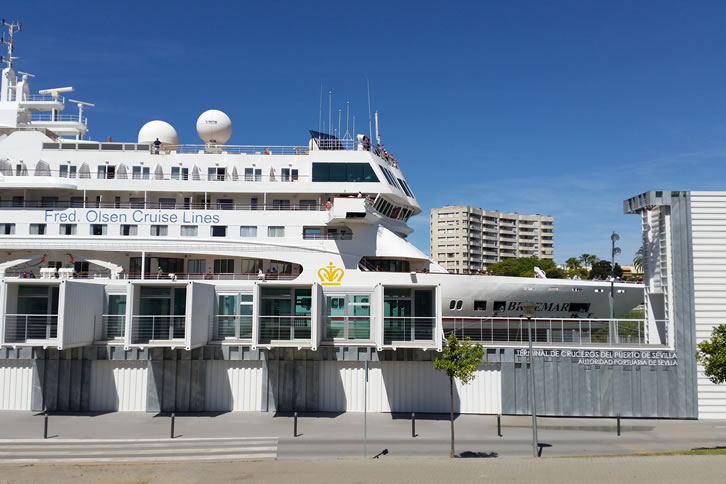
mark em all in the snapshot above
pixel 330 275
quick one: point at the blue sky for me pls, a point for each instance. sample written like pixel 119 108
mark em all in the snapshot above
pixel 560 108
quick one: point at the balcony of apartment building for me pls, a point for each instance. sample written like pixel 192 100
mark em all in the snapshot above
pixel 48 312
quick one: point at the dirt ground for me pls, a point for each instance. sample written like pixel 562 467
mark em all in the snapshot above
pixel 671 469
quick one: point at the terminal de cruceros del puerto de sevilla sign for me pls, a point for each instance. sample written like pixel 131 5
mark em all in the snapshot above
pixel 330 275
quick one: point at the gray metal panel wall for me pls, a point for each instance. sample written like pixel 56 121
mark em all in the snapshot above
pixel 566 388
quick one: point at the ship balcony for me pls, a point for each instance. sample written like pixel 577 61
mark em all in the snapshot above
pixel 48 313
pixel 42 102
pixel 351 210
pixel 61 124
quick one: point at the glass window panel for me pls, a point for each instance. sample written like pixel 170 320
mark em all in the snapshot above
pixel 189 230
pixel 248 231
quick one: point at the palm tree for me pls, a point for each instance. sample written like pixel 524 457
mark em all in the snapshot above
pixel 588 259
pixel 638 259
pixel 572 264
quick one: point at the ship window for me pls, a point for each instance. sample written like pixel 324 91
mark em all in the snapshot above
pixel 579 307
pixel 273 231
pixel 68 229
pixel 312 233
pixel 248 231
pixel 129 229
pixel 196 266
pixel 99 229
pixel 178 173
pixel 219 230
pixel 343 172
pixel 37 229
pixel 167 203
pixel 499 306
pixel 253 174
pixel 140 172
pixel 459 304
pixel 288 174
pixel 7 229
pixel 452 304
pixel 159 230
pixel 405 188
pixel 67 171
pixel 136 202
pixel 225 204
pixel 189 230
pixel 480 305
pixel 281 205
pixel 223 266
pixel 307 204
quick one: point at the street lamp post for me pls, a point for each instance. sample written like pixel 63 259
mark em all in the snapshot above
pixel 612 332
pixel 529 309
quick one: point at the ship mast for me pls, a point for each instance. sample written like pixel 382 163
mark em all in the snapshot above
pixel 12 28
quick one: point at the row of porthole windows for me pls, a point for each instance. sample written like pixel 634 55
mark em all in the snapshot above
pixel 458 304
pixel 154 230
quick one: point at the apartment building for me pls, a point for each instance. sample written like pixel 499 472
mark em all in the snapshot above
pixel 466 240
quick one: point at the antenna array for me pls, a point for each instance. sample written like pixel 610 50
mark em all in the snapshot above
pixel 12 28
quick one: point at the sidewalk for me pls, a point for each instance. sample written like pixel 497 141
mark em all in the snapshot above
pixel 341 435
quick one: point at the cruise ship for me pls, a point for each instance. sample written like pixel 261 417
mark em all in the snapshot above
pixel 153 275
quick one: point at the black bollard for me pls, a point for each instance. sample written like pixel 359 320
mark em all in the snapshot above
pixel 618 424
pixel 413 424
pixel 294 425
pixel 173 416
pixel 499 425
pixel 45 425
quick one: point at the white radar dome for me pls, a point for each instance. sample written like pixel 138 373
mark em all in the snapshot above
pixel 158 129
pixel 214 126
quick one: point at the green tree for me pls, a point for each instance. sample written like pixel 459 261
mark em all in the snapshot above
pixel 601 269
pixel 523 267
pixel 459 360
pixel 573 263
pixel 638 259
pixel 712 355
pixel 588 259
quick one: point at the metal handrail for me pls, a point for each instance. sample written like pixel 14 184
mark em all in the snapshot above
pixel 20 328
pixel 113 326
pixel 231 326
pixel 58 118
pixel 284 328
pixel 408 328
pixel 146 328
pixel 64 204
pixel 550 331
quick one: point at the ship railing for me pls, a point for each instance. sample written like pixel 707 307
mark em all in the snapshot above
pixel 229 326
pixel 408 329
pixel 113 326
pixel 63 118
pixel 19 328
pixel 573 331
pixel 43 98
pixel 285 328
pixel 65 204
pixel 149 328
pixel 232 149
pixel 209 276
